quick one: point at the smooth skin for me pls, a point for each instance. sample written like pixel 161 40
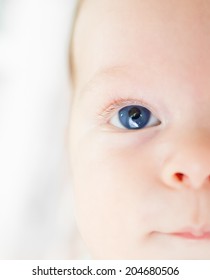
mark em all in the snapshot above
pixel 134 188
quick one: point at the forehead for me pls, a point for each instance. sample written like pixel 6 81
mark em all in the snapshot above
pixel 156 37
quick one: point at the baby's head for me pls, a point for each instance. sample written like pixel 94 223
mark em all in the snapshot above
pixel 140 129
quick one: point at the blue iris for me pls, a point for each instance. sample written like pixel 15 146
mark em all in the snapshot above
pixel 134 117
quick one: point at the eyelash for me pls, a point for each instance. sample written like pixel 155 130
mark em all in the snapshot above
pixel 107 111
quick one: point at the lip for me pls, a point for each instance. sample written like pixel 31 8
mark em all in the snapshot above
pixel 201 233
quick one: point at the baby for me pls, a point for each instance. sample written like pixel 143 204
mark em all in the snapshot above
pixel 140 129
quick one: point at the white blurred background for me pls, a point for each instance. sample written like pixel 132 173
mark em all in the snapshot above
pixel 36 215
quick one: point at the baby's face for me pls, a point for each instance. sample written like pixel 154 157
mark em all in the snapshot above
pixel 140 128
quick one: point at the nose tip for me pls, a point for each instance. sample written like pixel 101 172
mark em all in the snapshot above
pixel 185 161
pixel 187 166
pixel 181 180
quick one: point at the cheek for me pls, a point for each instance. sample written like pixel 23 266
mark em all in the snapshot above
pixel 112 173
pixel 112 191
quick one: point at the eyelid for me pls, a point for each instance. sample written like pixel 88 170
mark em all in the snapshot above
pixel 106 112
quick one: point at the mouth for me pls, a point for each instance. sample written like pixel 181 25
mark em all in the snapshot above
pixel 201 233
pixel 189 235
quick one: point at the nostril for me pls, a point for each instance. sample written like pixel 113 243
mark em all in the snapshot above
pixel 179 176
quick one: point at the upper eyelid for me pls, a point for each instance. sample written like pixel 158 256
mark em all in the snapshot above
pixel 119 103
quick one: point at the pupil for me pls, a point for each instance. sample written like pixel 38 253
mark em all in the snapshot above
pixel 134 113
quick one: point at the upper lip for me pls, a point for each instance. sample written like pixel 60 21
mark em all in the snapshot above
pixel 193 230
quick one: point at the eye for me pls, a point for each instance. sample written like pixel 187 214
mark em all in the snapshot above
pixel 134 117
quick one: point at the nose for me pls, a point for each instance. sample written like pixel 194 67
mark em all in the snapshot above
pixel 187 164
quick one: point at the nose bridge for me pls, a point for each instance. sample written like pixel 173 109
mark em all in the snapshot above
pixel 187 163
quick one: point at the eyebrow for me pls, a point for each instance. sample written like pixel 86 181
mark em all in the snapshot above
pixel 101 76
